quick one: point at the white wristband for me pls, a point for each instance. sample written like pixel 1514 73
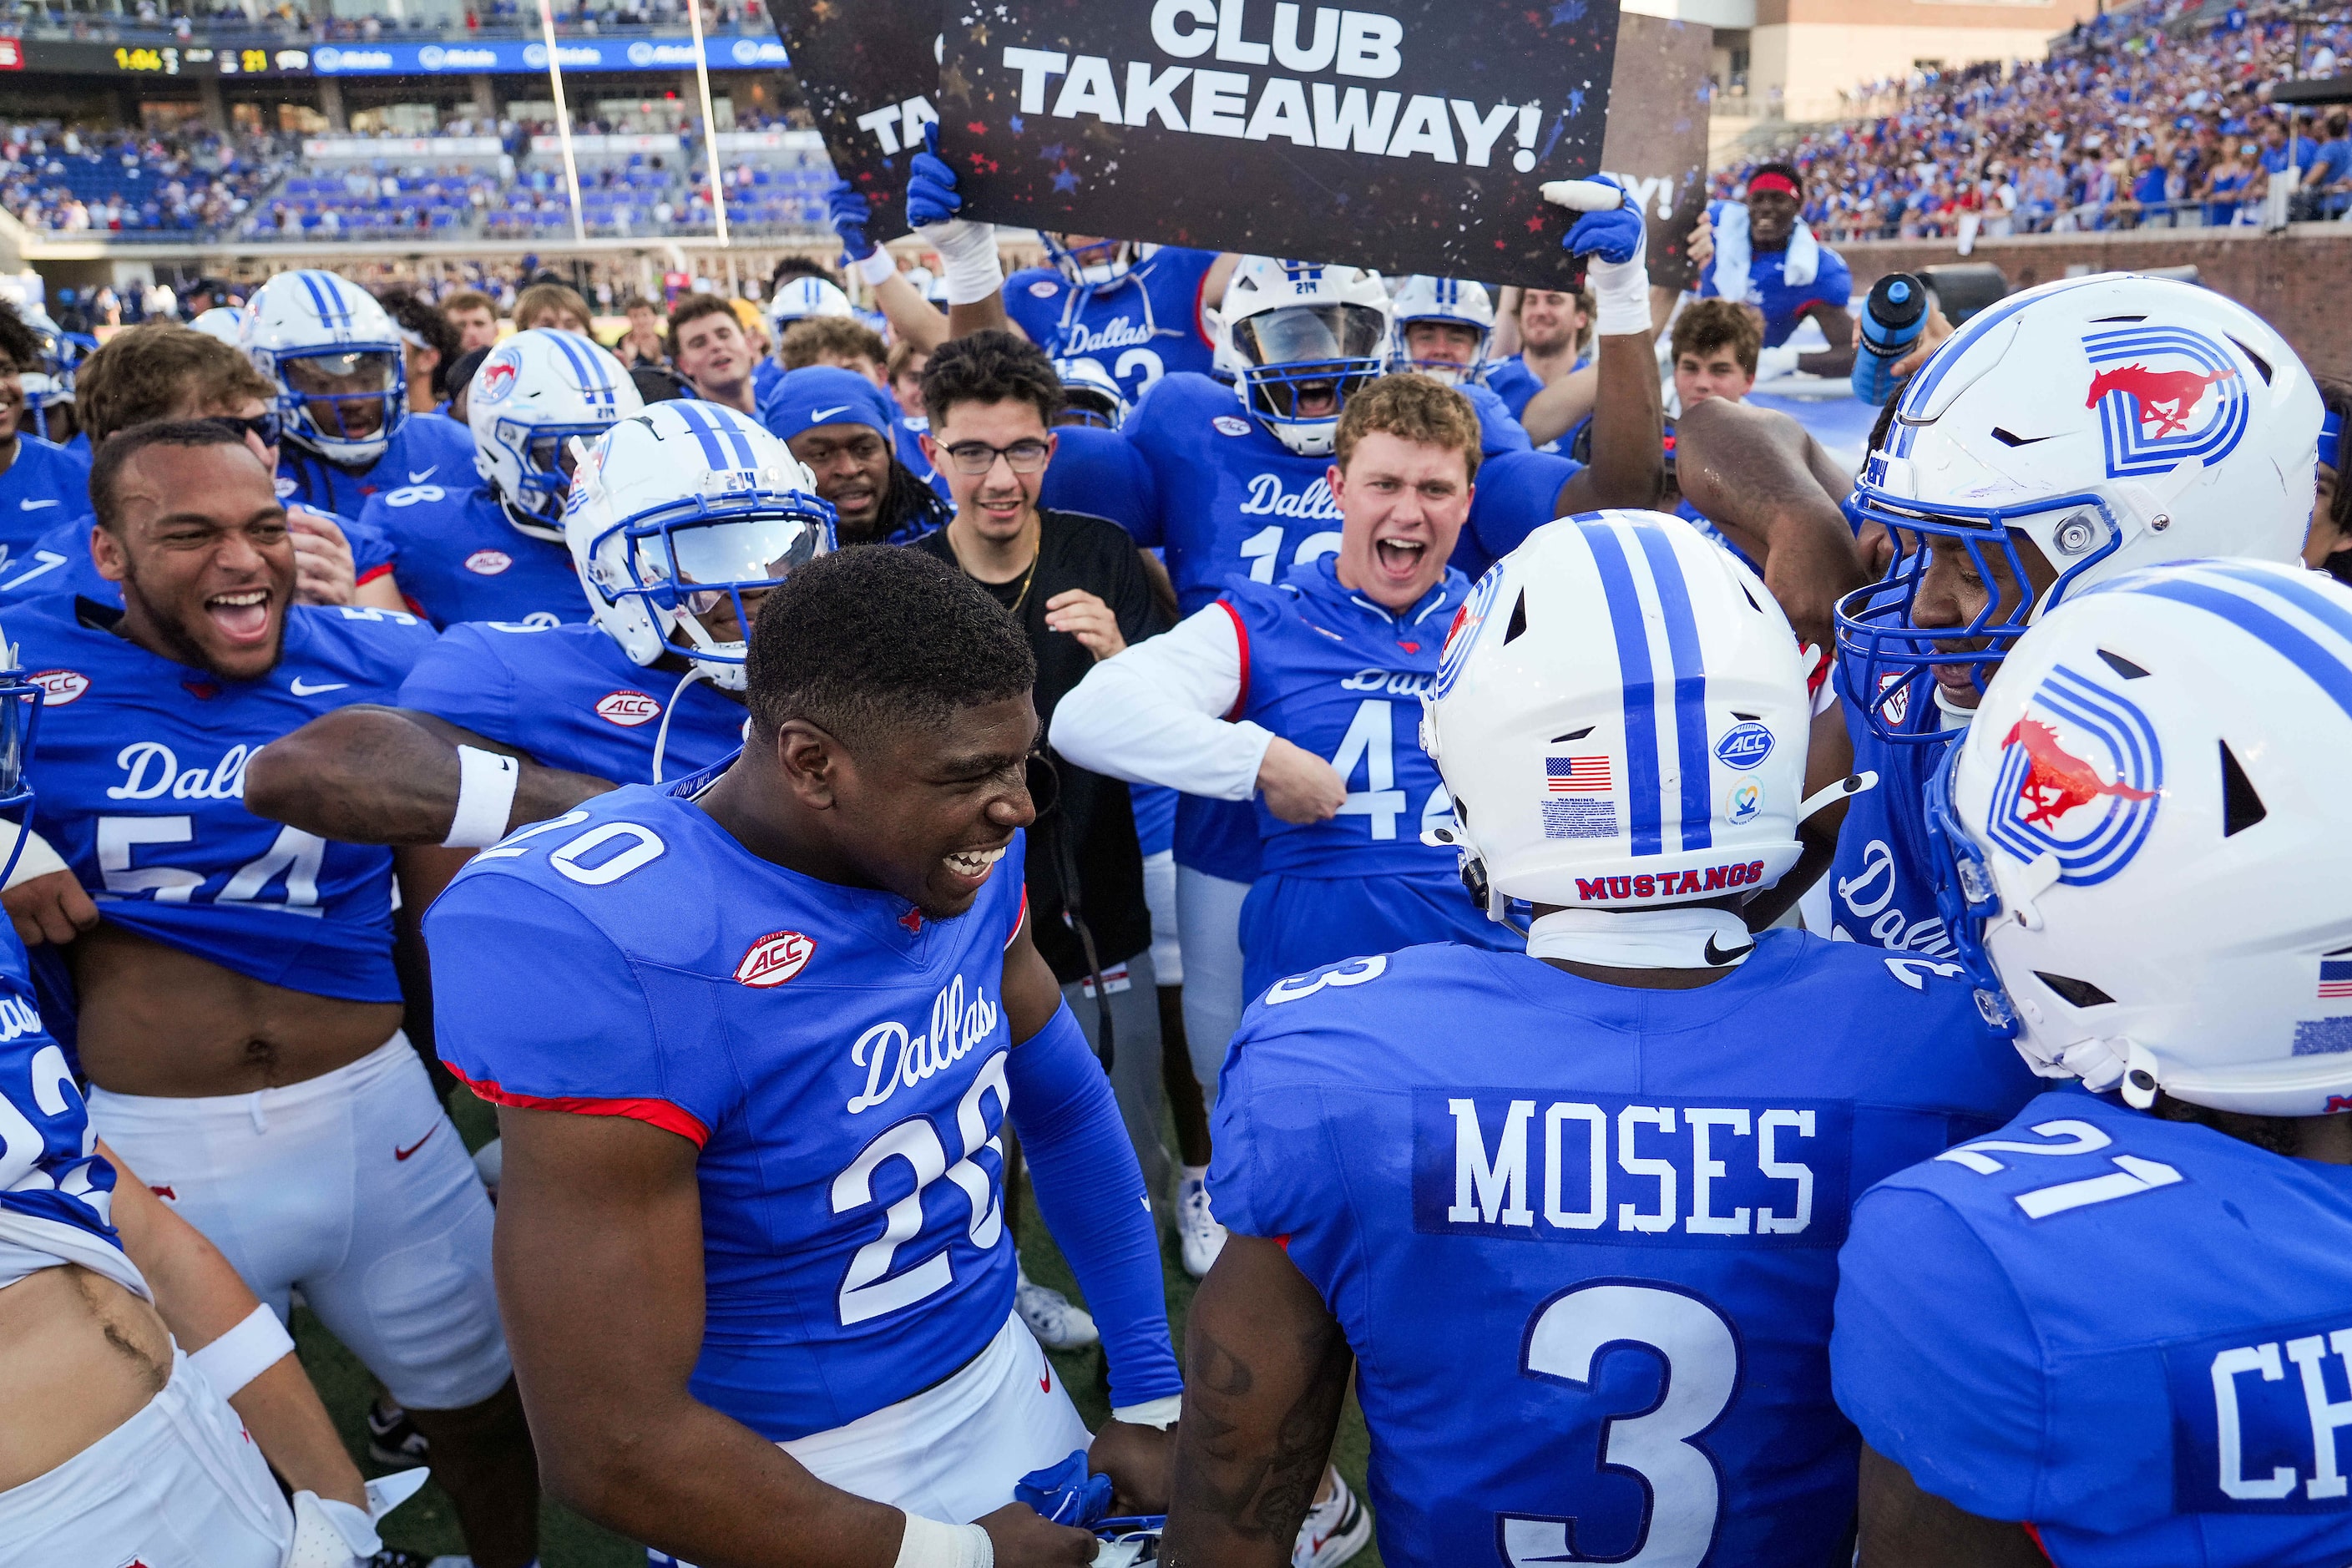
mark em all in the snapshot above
pixel 877 268
pixel 486 792
pixel 968 259
pixel 1163 1412
pixel 37 860
pixel 928 1543
pixel 1621 293
pixel 243 1353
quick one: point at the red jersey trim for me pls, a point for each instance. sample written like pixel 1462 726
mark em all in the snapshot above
pixel 1241 634
pixel 1201 308
pixel 372 573
pixel 1018 917
pixel 659 1113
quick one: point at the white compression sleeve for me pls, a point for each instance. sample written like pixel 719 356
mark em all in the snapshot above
pixel 1154 714
pixel 486 792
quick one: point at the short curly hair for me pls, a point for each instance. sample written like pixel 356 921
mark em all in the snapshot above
pixel 990 367
pixel 874 639
pixel 1410 407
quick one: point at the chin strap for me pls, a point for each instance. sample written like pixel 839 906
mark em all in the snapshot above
pixel 1687 937
pixel 1852 785
pixel 661 737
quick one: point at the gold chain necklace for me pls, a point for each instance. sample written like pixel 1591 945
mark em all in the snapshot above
pixel 1027 577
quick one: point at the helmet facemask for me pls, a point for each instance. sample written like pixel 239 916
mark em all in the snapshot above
pixel 1300 364
pixel 341 403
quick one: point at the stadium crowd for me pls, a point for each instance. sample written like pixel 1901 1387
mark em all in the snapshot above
pixel 869 795
pixel 2143 121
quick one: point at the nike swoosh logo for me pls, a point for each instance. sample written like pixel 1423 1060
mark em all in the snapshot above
pixel 400 1153
pixel 300 689
pixel 1716 956
pixel 819 416
pixel 37 505
pixel 418 475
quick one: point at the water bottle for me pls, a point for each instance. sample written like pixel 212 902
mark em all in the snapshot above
pixel 1891 319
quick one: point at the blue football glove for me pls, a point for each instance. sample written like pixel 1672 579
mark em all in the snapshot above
pixel 850 215
pixel 931 195
pixel 1065 1493
pixel 1612 236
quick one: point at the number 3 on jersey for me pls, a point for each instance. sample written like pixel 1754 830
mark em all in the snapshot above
pixel 1566 1342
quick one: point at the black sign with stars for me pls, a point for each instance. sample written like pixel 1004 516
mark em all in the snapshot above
pixel 1409 139
pixel 868 70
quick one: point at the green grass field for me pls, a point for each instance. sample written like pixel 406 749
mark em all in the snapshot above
pixel 426 1522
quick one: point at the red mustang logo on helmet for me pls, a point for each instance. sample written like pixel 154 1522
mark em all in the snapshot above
pixel 2056 781
pixel 2165 398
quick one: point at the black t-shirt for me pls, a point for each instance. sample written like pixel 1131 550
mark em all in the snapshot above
pixel 1092 826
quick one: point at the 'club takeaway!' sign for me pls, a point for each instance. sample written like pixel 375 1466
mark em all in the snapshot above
pixel 868 70
pixel 1410 139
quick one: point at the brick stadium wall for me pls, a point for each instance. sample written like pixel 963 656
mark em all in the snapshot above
pixel 2300 282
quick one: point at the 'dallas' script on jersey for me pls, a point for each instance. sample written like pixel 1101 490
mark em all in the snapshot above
pixel 1407 136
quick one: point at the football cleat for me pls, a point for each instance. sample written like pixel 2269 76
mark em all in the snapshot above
pixel 393 1437
pixel 1197 1228
pixel 1336 1529
pixel 1058 1323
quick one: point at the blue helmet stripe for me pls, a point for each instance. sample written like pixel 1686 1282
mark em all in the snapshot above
pixel 1939 363
pixel 699 423
pixel 2326 668
pixel 318 301
pixel 1690 686
pixel 2295 590
pixel 730 430
pixel 593 379
pixel 1638 680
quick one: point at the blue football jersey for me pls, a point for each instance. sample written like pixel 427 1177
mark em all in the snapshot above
pixel 2134 1334
pixel 1514 383
pixel 426 450
pixel 59 560
pixel 1784 303
pixel 45 485
pixel 140 781
pixel 57 1196
pixel 462 560
pixel 1145 326
pixel 907 439
pixel 838 1060
pixel 1102 474
pixel 1516 493
pixel 572 700
pixel 1882 878
pixel 1584 1238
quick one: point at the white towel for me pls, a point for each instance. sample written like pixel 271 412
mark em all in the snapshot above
pixel 1734 253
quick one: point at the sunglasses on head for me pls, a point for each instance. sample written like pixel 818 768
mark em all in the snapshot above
pixel 262 427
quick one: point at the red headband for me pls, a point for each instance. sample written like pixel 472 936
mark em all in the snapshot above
pixel 1769 179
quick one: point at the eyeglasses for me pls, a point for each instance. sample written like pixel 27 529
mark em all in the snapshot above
pixel 262 427
pixel 978 457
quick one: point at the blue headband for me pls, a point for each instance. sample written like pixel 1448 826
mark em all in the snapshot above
pixel 2331 437
pixel 825 394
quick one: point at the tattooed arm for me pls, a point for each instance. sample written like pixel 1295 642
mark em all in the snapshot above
pixel 1265 1368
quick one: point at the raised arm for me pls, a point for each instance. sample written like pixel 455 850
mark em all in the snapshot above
pixel 373 774
pixel 1265 1369
pixel 1757 476
pixel 975 275
pixel 1628 466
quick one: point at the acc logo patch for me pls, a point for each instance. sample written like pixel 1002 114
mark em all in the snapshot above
pixel 489 563
pixel 1744 746
pixel 1040 290
pixel 1747 800
pixel 497 378
pixel 2163 395
pixel 59 687
pixel 2081 777
pixel 1465 630
pixel 627 708
pixel 775 958
pixel 1230 425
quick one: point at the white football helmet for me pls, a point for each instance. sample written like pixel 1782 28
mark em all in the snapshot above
pixel 2147 856
pixel 335 356
pixel 1447 299
pixel 679 509
pixel 536 393
pixel 2114 422
pixel 1091 263
pixel 50 387
pixel 1620 716
pixel 1090 395
pixel 1303 336
pixel 797 298
pixel 225 322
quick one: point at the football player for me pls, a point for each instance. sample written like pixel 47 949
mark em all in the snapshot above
pixel 1759 251
pixel 40 481
pixel 2069 434
pixel 841 425
pixel 238 1012
pixel 494 550
pixel 335 357
pixel 129 1348
pixel 1554 328
pixel 752 1037
pixel 1615 1168
pixel 2123 1323
pixel 1441 327
pixel 688 514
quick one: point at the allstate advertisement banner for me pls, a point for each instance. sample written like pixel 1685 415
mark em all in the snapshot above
pixel 868 72
pixel 1410 138
pixel 725 53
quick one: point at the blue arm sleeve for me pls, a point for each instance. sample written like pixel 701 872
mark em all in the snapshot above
pixel 1090 1190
